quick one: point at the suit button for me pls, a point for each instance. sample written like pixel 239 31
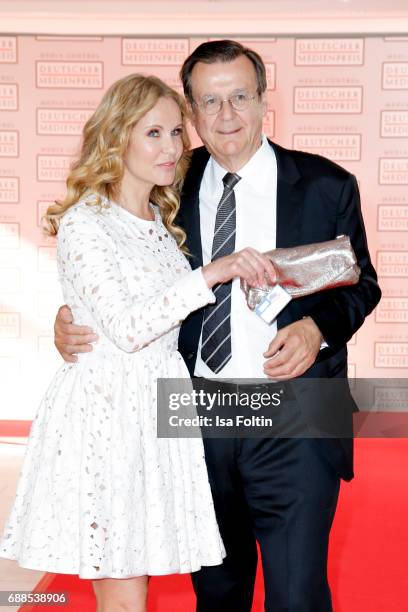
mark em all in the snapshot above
pixel 190 355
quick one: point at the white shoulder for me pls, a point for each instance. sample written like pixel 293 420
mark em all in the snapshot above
pixel 85 215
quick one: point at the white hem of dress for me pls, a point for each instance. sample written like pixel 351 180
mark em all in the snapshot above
pixel 97 576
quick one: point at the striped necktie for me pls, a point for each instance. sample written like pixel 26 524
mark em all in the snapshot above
pixel 216 333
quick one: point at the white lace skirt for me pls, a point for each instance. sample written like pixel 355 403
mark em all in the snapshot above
pixel 100 495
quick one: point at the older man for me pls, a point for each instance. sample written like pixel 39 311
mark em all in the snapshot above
pixel 281 492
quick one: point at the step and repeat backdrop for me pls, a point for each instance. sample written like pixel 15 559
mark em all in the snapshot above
pixel 344 98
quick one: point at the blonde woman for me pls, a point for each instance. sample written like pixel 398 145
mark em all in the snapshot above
pixel 100 495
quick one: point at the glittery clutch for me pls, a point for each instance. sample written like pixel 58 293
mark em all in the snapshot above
pixel 309 268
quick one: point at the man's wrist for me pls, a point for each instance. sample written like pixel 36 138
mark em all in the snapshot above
pixel 323 343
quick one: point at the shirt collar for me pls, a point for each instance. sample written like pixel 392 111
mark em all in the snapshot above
pixel 256 172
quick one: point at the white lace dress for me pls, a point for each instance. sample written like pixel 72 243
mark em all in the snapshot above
pixel 100 495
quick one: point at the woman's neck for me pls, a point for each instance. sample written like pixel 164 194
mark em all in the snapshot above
pixel 135 199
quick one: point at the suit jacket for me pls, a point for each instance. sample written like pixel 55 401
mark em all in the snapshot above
pixel 317 200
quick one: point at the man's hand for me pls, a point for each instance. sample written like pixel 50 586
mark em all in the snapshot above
pixel 69 338
pixel 293 350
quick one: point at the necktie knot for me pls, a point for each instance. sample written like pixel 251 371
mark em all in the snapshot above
pixel 230 180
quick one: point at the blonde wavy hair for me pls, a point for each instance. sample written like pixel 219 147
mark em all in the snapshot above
pixel 99 168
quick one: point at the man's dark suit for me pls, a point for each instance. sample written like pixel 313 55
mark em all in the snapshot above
pixel 316 201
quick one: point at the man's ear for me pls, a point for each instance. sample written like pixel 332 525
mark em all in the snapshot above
pixel 264 104
pixel 190 112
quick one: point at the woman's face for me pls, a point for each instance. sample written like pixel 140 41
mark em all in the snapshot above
pixel 155 145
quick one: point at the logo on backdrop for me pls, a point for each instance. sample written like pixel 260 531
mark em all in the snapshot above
pixel 392 218
pixel 53 167
pixel 391 354
pixel 328 100
pixel 62 121
pixel 269 124
pixel 395 75
pixel 69 75
pixel 153 51
pixel 9 143
pixel 329 52
pixel 339 147
pixel 393 171
pixel 394 124
pixel 9 189
pixel 8 97
pixel 392 264
pixel 392 310
pixel 8 49
pixel 270 76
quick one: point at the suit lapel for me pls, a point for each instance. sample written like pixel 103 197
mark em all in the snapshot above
pixel 190 205
pixel 288 202
pixel 288 199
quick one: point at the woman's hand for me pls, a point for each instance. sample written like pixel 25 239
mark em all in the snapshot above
pixel 254 267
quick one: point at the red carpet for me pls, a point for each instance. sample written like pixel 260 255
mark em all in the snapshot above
pixel 368 552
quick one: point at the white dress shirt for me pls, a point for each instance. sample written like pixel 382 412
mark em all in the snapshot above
pixel 255 197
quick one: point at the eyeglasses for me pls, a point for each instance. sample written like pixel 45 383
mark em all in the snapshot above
pixel 211 105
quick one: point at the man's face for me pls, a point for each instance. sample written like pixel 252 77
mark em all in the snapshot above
pixel 231 136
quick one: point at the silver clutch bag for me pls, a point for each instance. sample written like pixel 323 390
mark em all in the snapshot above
pixel 309 268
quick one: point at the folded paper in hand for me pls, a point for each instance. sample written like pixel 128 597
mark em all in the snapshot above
pixel 308 269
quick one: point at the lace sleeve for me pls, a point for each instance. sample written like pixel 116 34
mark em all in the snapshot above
pixel 86 256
